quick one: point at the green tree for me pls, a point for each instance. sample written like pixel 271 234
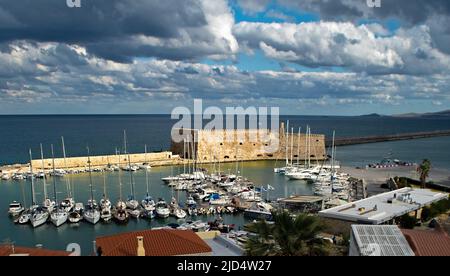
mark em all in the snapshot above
pixel 287 236
pixel 424 170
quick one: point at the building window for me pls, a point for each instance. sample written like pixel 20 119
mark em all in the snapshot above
pixel 259 155
pixel 205 158
pixel 221 144
pixel 240 144
pixel 269 155
pixel 226 157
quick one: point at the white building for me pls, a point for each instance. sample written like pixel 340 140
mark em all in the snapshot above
pixel 382 208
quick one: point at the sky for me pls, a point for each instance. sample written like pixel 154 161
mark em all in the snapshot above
pixel 309 57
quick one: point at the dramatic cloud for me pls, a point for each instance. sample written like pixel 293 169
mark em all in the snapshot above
pixel 123 29
pixel 434 13
pixel 360 48
pixel 59 73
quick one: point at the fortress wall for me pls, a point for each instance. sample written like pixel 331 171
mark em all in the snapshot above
pixel 225 145
pixel 82 162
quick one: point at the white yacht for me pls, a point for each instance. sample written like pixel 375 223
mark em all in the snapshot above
pixel 39 216
pixel 162 209
pixel 91 214
pixel 59 217
pixel 15 208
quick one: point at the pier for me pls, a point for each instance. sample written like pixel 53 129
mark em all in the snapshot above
pixel 387 138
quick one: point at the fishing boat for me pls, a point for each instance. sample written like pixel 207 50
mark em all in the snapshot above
pixel 91 214
pixel 59 215
pixel 162 209
pixel 15 208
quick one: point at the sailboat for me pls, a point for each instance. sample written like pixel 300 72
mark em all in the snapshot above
pixel 132 203
pixel 148 204
pixel 60 215
pixel 38 214
pixel 48 204
pixel 68 203
pixel 91 214
pixel 162 209
pixel 145 165
pixel 105 204
pixel 26 215
pixel 120 213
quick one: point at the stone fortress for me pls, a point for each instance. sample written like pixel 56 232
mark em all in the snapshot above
pixel 231 145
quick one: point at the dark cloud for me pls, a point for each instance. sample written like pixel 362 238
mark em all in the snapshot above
pixel 117 29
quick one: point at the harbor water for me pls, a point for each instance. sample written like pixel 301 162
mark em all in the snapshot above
pixel 103 134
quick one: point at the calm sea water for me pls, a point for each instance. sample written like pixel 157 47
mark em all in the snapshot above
pixel 104 134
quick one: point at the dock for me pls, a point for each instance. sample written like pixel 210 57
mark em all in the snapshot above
pixel 387 138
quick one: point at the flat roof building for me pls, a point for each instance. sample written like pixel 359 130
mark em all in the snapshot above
pixel 384 207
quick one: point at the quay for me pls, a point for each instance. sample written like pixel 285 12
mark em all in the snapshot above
pixel 387 138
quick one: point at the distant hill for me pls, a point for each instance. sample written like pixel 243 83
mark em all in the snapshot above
pixel 445 113
pixel 372 115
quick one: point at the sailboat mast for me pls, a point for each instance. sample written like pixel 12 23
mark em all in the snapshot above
pixel 43 170
pixel 298 145
pixel 146 173
pixel 90 177
pixel 120 179
pixel 68 186
pixel 129 163
pixel 55 197
pixel 287 143
pixel 33 195
pixel 184 156
pixel 292 146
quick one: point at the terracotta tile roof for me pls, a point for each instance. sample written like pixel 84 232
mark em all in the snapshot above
pixel 428 243
pixel 7 250
pixel 162 242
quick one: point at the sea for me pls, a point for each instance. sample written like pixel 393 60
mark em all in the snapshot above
pixel 104 133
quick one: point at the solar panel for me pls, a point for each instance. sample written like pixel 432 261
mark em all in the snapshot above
pixel 381 240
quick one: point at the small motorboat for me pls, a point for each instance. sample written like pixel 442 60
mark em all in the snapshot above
pixel 15 208
pixel 135 213
pixel 179 213
pixel 75 217
pixel 25 217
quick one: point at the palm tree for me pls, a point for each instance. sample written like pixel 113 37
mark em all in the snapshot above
pixel 424 170
pixel 287 236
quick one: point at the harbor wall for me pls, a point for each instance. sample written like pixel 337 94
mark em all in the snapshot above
pixel 154 159
pixel 231 145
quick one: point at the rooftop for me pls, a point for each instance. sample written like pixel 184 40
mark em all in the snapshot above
pixel 383 207
pixel 380 240
pixel 10 250
pixel 428 243
pixel 301 199
pixel 162 242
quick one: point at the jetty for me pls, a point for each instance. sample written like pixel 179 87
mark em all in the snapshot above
pixel 387 138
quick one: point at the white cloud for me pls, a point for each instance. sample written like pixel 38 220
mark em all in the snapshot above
pixel 359 48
